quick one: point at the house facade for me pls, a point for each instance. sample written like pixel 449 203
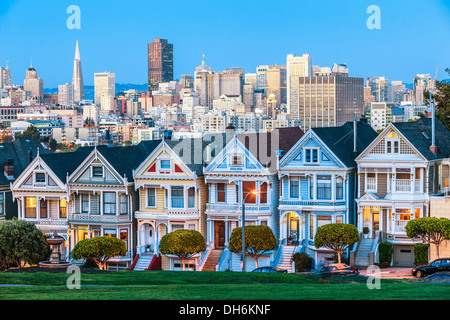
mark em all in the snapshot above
pixel 318 183
pixel 247 162
pixel 397 174
pixel 172 195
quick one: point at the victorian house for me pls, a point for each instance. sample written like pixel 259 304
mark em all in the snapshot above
pixel 318 186
pixel 172 195
pixel 43 195
pixel 103 198
pixel 247 163
pixel 397 174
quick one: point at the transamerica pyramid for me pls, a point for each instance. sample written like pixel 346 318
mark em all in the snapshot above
pixel 77 78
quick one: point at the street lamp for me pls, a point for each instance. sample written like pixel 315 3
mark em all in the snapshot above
pixel 254 192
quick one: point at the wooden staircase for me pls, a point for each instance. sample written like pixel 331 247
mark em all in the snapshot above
pixel 212 260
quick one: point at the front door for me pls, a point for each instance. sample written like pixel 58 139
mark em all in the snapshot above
pixel 219 234
pixel 294 229
pixel 375 223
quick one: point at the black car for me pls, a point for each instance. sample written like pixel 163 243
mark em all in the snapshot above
pixel 438 265
pixel 270 270
pixel 338 269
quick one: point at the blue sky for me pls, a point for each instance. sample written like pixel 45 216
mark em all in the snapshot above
pixel 414 36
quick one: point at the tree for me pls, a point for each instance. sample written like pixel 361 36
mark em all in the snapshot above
pixel 99 249
pixel 53 144
pixel 21 242
pixel 258 240
pixel 182 243
pixel 337 237
pixel 432 230
pixel 442 99
pixel 30 133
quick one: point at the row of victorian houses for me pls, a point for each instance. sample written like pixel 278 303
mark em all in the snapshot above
pixel 345 174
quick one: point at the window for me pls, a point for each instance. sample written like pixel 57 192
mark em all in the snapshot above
pixel 311 155
pixel 392 144
pixel 177 197
pixel 123 233
pixel 339 188
pixel 39 177
pixel 30 207
pixel 294 187
pixel 110 233
pixel 97 172
pixel 311 227
pixel 191 198
pixel 164 164
pixel 324 187
pixel 151 197
pixel 109 203
pixel 84 203
pixel 177 227
pixel 339 219
pixel 221 194
pixel 263 193
pixel 123 204
pixel 63 208
pixel 236 161
pixel 2 203
pixel 248 187
pixel 43 208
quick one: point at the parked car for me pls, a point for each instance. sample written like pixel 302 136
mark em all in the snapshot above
pixel 338 269
pixel 438 265
pixel 270 270
pixel 439 275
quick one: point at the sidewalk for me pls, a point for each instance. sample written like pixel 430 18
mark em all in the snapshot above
pixel 392 273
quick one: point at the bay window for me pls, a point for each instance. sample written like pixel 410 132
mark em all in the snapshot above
pixel 123 204
pixel 177 197
pixel 324 187
pixel 294 187
pixel 30 207
pixel 221 193
pixel 191 197
pixel 151 197
pixel 248 187
pixel 43 208
pixel 339 188
pixel 263 193
pixel 109 203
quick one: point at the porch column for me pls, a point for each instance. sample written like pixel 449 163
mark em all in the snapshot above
pixel 413 180
pixel 117 203
pixel 23 207
pixel 333 187
pixel 359 185
pixel 226 231
pixel 314 186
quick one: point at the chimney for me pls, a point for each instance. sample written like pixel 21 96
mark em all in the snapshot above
pixel 433 147
pixel 9 169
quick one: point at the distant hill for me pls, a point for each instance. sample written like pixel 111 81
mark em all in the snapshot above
pixel 120 87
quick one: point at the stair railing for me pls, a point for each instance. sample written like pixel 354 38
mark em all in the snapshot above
pixel 133 265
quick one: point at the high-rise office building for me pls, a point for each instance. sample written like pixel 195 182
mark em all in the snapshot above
pixel 327 101
pixel 396 91
pixel 212 86
pixel 5 77
pixel 422 83
pixel 296 67
pixel 34 84
pixel 77 77
pixel 379 87
pixel 65 95
pixel 261 77
pixel 160 63
pixel 104 86
pixel 276 83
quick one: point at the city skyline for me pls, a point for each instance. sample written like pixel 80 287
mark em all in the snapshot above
pixel 242 39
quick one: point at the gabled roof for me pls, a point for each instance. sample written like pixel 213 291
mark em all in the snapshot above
pixel 287 138
pixel 123 159
pixel 340 140
pixel 22 151
pixel 419 134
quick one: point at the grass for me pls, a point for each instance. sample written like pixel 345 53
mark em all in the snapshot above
pixel 177 285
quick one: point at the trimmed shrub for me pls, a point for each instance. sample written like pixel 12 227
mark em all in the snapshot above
pixel 385 251
pixel 421 254
pixel 303 262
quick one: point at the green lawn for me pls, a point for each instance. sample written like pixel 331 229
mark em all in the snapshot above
pixel 171 285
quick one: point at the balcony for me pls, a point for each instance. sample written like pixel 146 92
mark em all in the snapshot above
pixel 405 185
pixel 251 208
pixel 86 217
pixel 400 226
pixel 371 183
pixel 48 222
pixel 312 203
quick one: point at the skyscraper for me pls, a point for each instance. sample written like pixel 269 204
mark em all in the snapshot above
pixel 65 94
pixel 34 84
pixel 5 77
pixel 276 83
pixel 327 101
pixel 77 77
pixel 296 66
pixel 105 87
pixel 160 63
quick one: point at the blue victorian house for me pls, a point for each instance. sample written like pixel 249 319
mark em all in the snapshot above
pixel 318 186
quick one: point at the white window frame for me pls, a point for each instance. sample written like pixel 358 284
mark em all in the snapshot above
pixel 164 169
pixel 147 197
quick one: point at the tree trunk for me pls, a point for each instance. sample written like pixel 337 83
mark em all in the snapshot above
pixel 437 251
pixel 256 262
pixel 339 256
pixel 183 262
